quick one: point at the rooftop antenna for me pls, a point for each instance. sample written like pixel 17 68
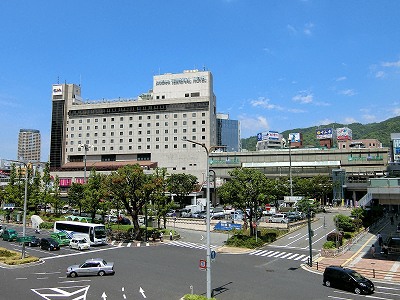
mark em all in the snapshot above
pixel 80 79
pixel 204 67
pixel 58 79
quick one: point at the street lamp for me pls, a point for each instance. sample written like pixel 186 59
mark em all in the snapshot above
pixel 208 246
pixel 86 149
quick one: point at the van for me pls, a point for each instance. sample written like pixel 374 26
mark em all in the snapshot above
pixel 347 279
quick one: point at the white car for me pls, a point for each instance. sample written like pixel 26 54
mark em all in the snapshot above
pixel 79 243
pixel 278 218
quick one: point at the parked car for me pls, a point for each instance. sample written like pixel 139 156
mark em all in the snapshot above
pixel 217 213
pixel 61 238
pixel 196 214
pixel 9 235
pixel 393 245
pixel 201 215
pixel 97 266
pixel 1 230
pixel 278 218
pixel 32 241
pixel 79 243
pixel 171 213
pixel 49 244
pixel 347 279
pixel 185 213
pixel 294 216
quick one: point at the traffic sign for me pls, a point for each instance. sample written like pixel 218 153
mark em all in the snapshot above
pixel 213 254
pixel 203 264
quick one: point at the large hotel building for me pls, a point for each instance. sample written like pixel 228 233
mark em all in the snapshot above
pixel 150 130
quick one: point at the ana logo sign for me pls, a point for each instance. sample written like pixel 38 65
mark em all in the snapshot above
pixel 57 89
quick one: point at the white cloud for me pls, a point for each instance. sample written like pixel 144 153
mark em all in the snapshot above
pixel 303 97
pixel 389 64
pixel 250 126
pixel 324 122
pixel 308 29
pixel 349 120
pixel 369 118
pixel 380 74
pixel 296 110
pixel 321 103
pixel 291 29
pixel 341 78
pixel 348 92
pixel 264 103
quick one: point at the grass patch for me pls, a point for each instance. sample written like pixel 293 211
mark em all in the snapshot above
pixel 10 257
pixel 196 297
pixel 242 238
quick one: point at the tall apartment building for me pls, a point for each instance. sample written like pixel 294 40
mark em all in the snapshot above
pixel 29 144
pixel 150 129
pixel 228 133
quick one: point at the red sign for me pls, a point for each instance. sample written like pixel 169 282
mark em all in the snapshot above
pixel 203 264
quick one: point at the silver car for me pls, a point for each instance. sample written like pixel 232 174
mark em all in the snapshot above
pixel 94 266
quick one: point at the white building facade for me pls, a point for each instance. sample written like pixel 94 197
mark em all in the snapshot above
pixel 150 129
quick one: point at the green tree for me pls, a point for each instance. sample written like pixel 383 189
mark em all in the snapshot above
pixel 76 194
pixel 246 190
pixel 47 186
pixel 162 201
pixel 95 192
pixel 344 223
pixel 181 185
pixel 55 198
pixel 127 185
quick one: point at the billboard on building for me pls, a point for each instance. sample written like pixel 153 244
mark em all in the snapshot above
pixel 57 89
pixel 325 133
pixel 295 137
pixel 344 134
pixel 268 135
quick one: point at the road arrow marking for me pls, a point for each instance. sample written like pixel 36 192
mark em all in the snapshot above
pixel 142 292
pixel 104 296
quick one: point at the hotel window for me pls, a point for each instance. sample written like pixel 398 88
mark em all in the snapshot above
pixel 112 133
pixel 140 125
pixel 166 123
pixel 157 117
pixel 148 124
pixel 184 123
pixel 175 123
pixel 71 149
pixel 157 131
pixel 112 119
pixel 103 148
pixel 203 130
pixel 121 148
pixel 130 118
pixel 193 145
pixel 184 146
pixel 96 120
pixel 112 126
pixel 96 127
pixel 193 114
pixel 121 140
pixel 184 130
pixel 130 140
pixel 157 139
pixel 166 146
pixel 186 95
pixel 104 119
pixel 104 126
pixel 165 116
pixel 193 129
pixel 193 122
pixel 140 117
pixel 203 114
pixel 72 135
pixel 80 121
pixel 184 115
pixel 139 140
pixel 157 146
pixel 72 142
pixel 175 116
pixel 121 118
pixel 87 127
pixel 95 142
pixel 130 147
pixel 130 125
pixel 203 137
pixel 148 139
pixel 112 141
pixel 80 135
pixel 139 132
pixel 148 147
pixel 87 134
pixel 166 130
pixel 175 146
pixel 139 147
pixel 148 132
pixel 130 132
pixel 111 148
pixel 104 134
pixel 72 121
pixel 148 117
pixel 103 141
pixel 121 125
pixel 87 120
pixel 157 124
pixel 203 122
pixel 175 138
pixel 80 128
pixel 175 130
pixel 94 148
pixel 166 139
pixel 193 137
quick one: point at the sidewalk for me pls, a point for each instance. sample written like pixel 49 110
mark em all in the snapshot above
pixel 379 268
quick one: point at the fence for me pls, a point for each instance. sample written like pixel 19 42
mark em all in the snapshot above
pixel 370 273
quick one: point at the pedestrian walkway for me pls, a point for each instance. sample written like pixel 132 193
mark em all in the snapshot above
pixel 377 265
pixel 281 255
pixel 190 245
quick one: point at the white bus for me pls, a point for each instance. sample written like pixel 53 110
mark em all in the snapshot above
pixel 94 233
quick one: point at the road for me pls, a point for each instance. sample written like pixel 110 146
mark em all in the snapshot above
pixel 171 269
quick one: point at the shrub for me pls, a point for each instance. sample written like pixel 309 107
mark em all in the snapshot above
pixel 196 297
pixel 329 245
pixel 46 225
pixel 345 223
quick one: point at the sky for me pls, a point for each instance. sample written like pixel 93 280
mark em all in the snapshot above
pixel 277 64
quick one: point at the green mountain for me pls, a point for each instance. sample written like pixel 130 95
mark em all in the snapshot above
pixel 380 131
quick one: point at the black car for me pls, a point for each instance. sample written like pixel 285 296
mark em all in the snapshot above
pixel 49 244
pixel 347 279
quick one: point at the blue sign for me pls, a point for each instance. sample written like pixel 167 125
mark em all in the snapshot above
pixel 227 226
pixel 213 254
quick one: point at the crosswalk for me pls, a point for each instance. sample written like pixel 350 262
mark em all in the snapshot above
pixel 191 245
pixel 280 254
